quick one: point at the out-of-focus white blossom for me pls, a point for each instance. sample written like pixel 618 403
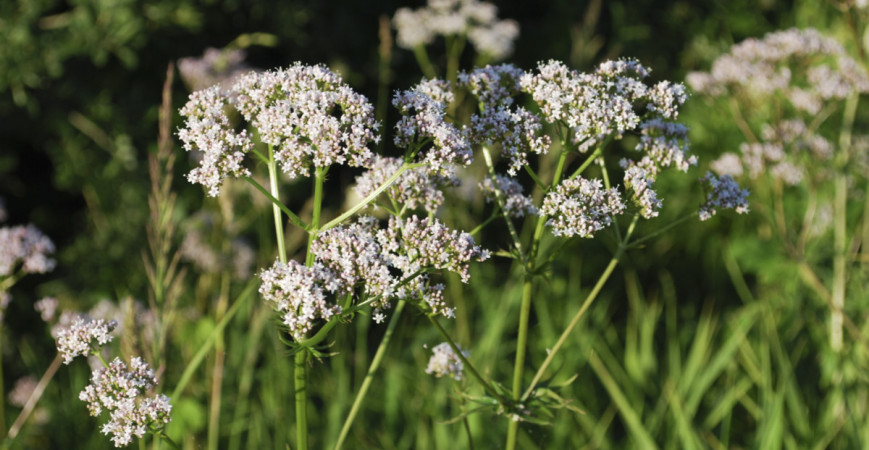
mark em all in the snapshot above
pixel 27 246
pixel 215 67
pixel 47 307
pixel 123 393
pixel 22 391
pixel 515 203
pixel 445 362
pixel 474 19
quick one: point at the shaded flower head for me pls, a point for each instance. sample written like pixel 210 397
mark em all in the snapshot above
pixel 445 362
pixel 27 246
pixel 722 193
pixel 515 203
pixel 581 207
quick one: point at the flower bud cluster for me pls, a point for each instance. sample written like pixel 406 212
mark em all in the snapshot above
pixel 445 362
pixel 27 246
pixel 123 393
pixel 83 337
pixel 515 203
pixel 477 20
pixel 415 188
pixel 722 193
pixel 581 207
pixel 423 110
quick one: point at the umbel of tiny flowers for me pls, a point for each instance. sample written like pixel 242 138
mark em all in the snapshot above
pixel 122 392
pixel 445 362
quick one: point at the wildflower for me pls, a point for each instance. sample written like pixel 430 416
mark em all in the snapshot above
pixel 309 116
pixel 444 361
pixel 215 67
pixel 423 110
pixel 477 20
pixel 581 207
pixel 122 392
pixel 415 188
pixel 722 193
pixel 515 204
pixel 25 245
pixel 83 337
pixel 640 182
pixel 22 391
pixel 207 129
pixel 299 294
pixel 493 85
pixel 518 131
pixel 46 308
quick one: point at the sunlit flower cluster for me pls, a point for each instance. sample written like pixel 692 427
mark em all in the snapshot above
pixel 83 337
pixel 123 393
pixel 423 110
pixel 306 113
pixel 516 204
pixel 581 207
pixel 415 188
pixel 803 65
pixel 445 362
pixel 300 294
pixel 477 20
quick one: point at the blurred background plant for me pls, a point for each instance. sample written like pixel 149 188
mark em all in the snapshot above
pixel 706 341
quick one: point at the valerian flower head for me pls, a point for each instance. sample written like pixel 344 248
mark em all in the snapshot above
pixel 515 203
pixel 23 390
pixel 722 193
pixel 123 393
pixel 639 180
pixel 423 110
pixel 518 132
pixel 445 362
pixel 46 307
pixel 300 294
pixel 27 246
pixel 803 65
pixel 493 85
pixel 207 129
pixel 415 188
pixel 477 20
pixel 581 207
pixel 307 113
pixel 83 337
pixel 215 67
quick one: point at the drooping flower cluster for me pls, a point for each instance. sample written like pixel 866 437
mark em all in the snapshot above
pixel 477 20
pixel 83 337
pixel 415 188
pixel 27 246
pixel 423 110
pixel 515 203
pixel 722 193
pixel 581 207
pixel 123 393
pixel 445 362
pixel 803 65
pixel 377 264
pixel 307 113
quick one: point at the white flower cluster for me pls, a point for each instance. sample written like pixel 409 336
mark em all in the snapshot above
pixel 47 308
pixel 215 67
pixel 805 66
pixel 83 337
pixel 306 113
pixel 493 85
pixel 27 246
pixel 423 110
pixel 415 188
pixel 123 393
pixel 445 362
pixel 722 193
pixel 581 207
pixel 515 203
pixel 23 390
pixel 787 150
pixel 360 258
pixel 300 294
pixel 477 20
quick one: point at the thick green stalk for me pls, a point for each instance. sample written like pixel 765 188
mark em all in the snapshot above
pixel 369 377
pixel 301 379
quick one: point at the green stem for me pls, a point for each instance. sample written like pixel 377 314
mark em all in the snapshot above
pixel 369 377
pixel 276 210
pixel 499 198
pixel 371 197
pixel 519 363
pixel 166 438
pixel 585 305
pixel 424 63
pixel 301 379
pixel 275 202
pixel 591 158
pixel 319 178
pixel 467 364
pixel 660 231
